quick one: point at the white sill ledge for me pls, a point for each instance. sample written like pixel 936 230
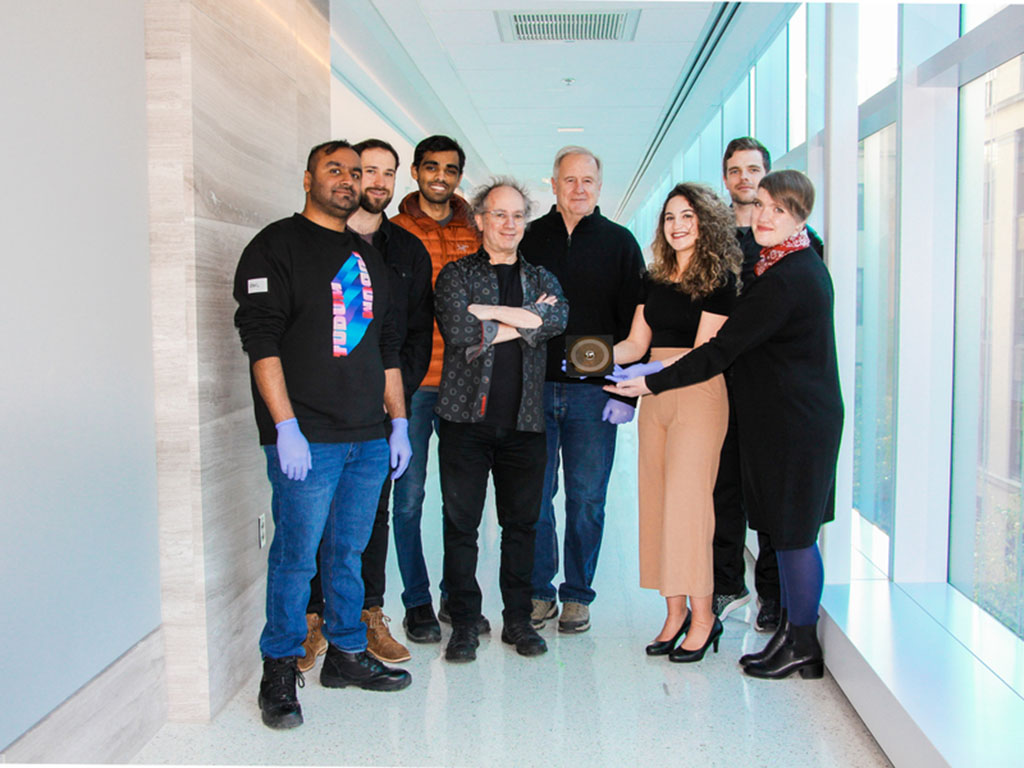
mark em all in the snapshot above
pixel 935 679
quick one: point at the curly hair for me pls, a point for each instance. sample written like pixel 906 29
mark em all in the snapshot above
pixel 478 202
pixel 717 251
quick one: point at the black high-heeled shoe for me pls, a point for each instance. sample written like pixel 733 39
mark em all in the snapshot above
pixel 664 647
pixel 683 656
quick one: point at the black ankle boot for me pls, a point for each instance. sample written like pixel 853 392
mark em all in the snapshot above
pixel 279 706
pixel 342 669
pixel 800 653
pixel 777 641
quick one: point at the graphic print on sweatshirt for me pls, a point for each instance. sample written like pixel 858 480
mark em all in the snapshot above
pixel 352 296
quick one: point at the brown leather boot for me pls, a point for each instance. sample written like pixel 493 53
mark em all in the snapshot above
pixel 379 642
pixel 315 643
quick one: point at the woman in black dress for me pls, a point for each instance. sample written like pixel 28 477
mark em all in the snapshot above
pixel 780 341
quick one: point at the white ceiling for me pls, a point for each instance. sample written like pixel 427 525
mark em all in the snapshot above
pixel 440 66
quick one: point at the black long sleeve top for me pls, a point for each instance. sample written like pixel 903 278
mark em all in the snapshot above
pixel 412 299
pixel 600 268
pixel 320 301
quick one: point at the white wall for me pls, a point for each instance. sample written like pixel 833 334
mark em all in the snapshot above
pixel 79 575
pixel 353 120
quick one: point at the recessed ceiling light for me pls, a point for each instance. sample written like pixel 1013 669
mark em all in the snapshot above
pixel 570 129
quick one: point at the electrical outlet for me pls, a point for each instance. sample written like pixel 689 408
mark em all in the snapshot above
pixel 261 522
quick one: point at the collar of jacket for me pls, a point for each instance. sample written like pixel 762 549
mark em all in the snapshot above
pixel 556 218
pixel 410 205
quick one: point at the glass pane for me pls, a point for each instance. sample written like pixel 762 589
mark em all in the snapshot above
pixel 770 87
pixel 736 113
pixel 875 396
pixel 710 154
pixel 878 25
pixel 798 77
pixel 986 548
pixel 973 14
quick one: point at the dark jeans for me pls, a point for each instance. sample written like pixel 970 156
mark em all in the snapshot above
pixel 374 560
pixel 468 454
pixel 731 528
pixel 410 491
pixel 575 430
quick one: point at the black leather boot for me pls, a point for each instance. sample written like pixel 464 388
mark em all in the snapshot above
pixel 342 669
pixel 279 706
pixel 799 653
pixel 777 640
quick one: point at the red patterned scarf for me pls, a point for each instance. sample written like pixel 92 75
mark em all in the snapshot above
pixel 795 242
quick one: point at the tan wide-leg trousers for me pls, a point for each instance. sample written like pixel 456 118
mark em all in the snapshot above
pixel 680 436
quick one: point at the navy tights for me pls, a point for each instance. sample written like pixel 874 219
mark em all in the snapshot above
pixel 802 578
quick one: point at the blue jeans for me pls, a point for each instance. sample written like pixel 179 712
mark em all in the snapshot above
pixel 337 503
pixel 408 502
pixel 572 418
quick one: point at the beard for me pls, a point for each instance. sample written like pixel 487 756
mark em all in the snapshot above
pixel 374 206
pixel 744 196
pixel 334 206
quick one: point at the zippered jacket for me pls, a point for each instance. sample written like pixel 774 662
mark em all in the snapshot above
pixel 458 238
pixel 600 268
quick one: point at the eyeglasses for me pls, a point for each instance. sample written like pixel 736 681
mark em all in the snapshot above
pixel 518 218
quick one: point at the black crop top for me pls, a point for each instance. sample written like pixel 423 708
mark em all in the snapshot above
pixel 673 316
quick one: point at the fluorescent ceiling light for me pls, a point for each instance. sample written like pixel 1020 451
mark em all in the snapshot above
pixel 570 129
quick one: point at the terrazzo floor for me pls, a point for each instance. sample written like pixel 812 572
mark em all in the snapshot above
pixel 594 699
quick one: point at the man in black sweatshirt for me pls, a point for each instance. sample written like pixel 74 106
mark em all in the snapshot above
pixel 314 316
pixel 599 266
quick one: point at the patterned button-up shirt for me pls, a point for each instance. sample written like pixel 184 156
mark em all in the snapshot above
pixel 469 350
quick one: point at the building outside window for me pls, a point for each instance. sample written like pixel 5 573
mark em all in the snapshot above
pixel 986 553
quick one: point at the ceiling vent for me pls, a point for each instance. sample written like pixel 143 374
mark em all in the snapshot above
pixel 529 26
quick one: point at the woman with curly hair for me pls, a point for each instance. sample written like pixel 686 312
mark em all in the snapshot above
pixel 688 294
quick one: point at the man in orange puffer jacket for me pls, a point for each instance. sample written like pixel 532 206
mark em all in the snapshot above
pixel 439 218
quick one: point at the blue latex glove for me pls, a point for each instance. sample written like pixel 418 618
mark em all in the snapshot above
pixel 293 450
pixel 634 371
pixel 617 412
pixel 401 448
pixel 565 370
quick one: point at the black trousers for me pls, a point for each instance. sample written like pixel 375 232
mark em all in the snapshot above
pixel 375 558
pixel 468 453
pixel 731 527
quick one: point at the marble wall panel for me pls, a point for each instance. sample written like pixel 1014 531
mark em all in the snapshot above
pixel 245 125
pixel 266 27
pixel 112 716
pixel 313 71
pixel 172 245
pixel 223 367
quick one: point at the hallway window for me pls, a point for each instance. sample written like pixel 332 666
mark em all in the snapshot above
pixel 797 35
pixel 986 553
pixel 878 25
pixel 770 102
pixel 875 395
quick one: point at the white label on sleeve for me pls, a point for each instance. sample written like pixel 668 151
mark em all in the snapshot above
pixel 258 285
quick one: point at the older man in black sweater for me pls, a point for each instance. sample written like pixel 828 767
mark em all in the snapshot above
pixel 599 266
